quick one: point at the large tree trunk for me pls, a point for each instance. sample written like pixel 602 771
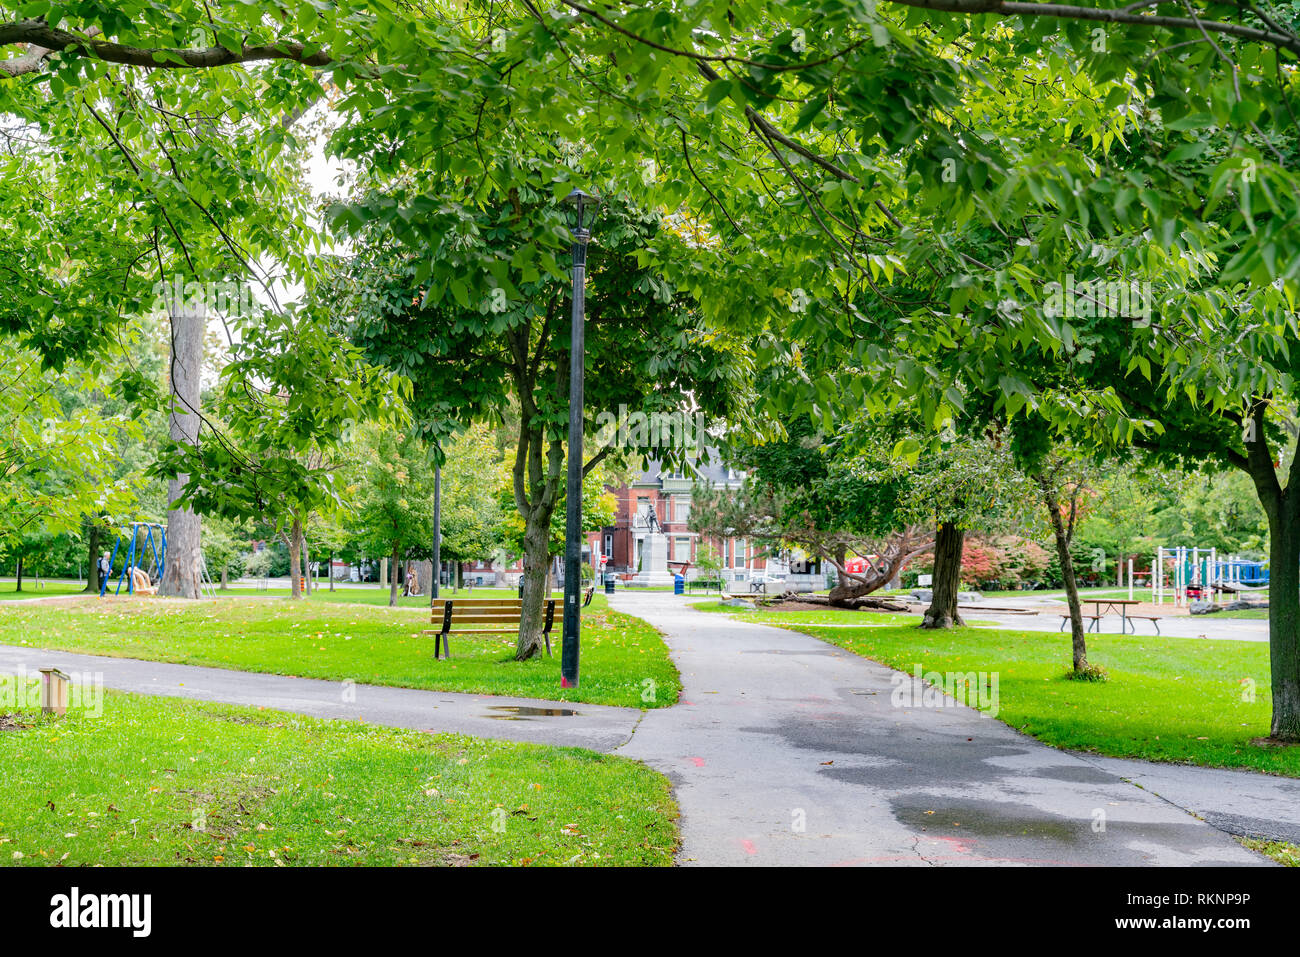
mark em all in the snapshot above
pixel 392 584
pixel 1078 639
pixel 94 539
pixel 295 558
pixel 1282 506
pixel 537 571
pixel 949 541
pixel 329 574
pixel 1284 617
pixel 180 577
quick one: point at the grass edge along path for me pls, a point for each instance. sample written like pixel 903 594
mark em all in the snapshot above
pixel 625 661
pixel 1175 700
pixel 158 781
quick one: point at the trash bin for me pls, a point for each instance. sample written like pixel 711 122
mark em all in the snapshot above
pixel 679 584
pixel 609 584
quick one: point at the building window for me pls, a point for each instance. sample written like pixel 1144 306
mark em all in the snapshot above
pixel 683 507
pixel 609 545
pixel 682 549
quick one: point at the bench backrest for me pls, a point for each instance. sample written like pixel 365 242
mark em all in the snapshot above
pixel 484 616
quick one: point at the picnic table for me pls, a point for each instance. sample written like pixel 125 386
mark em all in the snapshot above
pixel 1102 606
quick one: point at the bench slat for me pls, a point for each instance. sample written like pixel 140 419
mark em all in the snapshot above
pixel 486 617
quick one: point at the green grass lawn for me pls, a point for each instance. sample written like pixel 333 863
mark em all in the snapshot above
pixel 1167 699
pixel 9 592
pixel 1259 614
pixel 159 781
pixel 624 660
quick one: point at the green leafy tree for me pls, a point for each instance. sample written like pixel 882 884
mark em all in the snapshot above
pixel 284 420
pixel 394 507
pixel 485 338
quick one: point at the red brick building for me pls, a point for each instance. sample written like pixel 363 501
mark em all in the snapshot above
pixel 669 494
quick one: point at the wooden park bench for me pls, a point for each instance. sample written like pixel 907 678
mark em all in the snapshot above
pixel 480 616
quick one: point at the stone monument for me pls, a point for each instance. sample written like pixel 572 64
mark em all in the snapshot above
pixel 654 554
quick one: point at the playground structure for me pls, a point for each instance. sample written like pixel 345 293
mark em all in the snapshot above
pixel 151 545
pixel 1184 574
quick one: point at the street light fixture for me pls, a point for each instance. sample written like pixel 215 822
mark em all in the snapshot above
pixel 569 645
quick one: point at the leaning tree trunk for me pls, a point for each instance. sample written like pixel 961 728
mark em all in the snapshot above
pixel 537 571
pixel 1078 640
pixel 94 538
pixel 949 541
pixel 295 558
pixel 392 581
pixel 180 578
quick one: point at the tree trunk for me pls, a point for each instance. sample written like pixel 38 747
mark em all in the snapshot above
pixel 949 541
pixel 19 586
pixel 94 540
pixel 225 578
pixel 1284 617
pixel 329 574
pixel 180 578
pixel 306 565
pixel 392 584
pixel 1078 639
pixel 295 558
pixel 537 572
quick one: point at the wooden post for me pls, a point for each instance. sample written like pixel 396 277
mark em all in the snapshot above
pixel 54 691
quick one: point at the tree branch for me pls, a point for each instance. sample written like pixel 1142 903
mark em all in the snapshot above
pixel 50 39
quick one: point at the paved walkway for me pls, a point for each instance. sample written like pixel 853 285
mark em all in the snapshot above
pixel 596 727
pixel 786 750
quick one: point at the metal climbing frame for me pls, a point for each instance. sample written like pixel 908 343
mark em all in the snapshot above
pixel 156 545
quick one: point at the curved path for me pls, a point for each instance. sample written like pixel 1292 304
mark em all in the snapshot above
pixel 785 750
pixel 598 727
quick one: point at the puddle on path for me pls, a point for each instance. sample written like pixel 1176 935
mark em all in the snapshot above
pixel 523 712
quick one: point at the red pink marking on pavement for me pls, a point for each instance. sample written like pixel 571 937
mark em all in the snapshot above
pixel 698 762
pixel 748 847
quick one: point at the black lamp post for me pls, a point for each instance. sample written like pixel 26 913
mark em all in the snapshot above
pixel 437 533
pixel 573 506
